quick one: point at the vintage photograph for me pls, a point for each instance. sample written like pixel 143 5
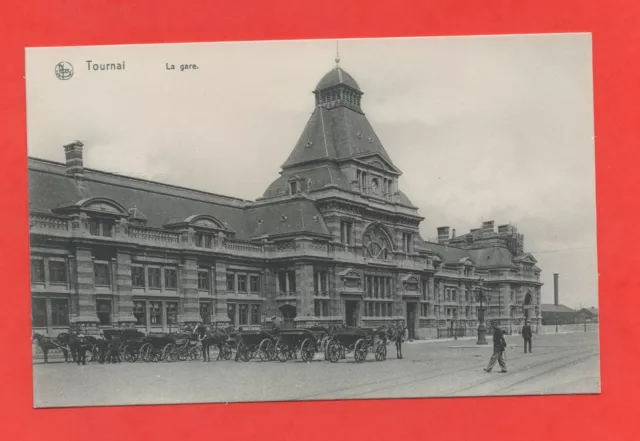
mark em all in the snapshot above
pixel 312 220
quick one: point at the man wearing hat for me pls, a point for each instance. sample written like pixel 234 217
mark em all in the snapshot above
pixel 526 335
pixel 274 323
pixel 499 346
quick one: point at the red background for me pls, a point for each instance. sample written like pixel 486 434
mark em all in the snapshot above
pixel 615 27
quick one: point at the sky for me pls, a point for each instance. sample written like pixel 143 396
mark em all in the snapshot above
pixel 483 128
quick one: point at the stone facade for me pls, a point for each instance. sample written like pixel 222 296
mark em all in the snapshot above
pixel 332 240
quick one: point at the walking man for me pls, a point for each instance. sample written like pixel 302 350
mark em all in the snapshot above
pixel 526 335
pixel 399 331
pixel 499 346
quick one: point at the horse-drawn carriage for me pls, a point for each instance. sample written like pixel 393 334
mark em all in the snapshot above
pixel 250 344
pixel 359 341
pixel 182 347
pixel 292 341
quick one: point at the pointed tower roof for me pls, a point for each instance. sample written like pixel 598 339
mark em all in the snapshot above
pixel 338 128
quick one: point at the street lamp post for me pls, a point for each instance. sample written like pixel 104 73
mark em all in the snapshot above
pixel 482 331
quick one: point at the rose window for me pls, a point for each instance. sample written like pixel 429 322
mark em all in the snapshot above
pixel 376 244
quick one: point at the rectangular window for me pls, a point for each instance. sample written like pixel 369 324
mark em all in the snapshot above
pixel 139 312
pixel 155 314
pixel 198 240
pixel 255 314
pixel 243 314
pixel 321 308
pixel 94 227
pixel 172 313
pixel 170 278
pixel 293 186
pixel 453 295
pixel 282 281
pixel 60 312
pixel 292 281
pixel 39 313
pixel 37 271
pixel 154 278
pixel 388 286
pixel 103 309
pixel 203 280
pixel 242 283
pixel 231 313
pixel 231 282
pixel 137 276
pixel 205 312
pixel 346 230
pixel 208 241
pixel 57 271
pixel 101 274
pixel 107 229
pixel 377 309
pixel 254 282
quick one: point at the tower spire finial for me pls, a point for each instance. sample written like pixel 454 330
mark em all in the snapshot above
pixel 337 52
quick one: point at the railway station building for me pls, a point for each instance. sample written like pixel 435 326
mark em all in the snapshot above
pixel 333 239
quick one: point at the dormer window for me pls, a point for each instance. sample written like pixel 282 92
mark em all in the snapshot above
pixel 293 187
pixel 101 227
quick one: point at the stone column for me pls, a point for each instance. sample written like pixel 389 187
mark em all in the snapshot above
pixel 304 284
pixel 220 294
pixel 124 295
pixel 49 314
pixel 190 303
pixel 87 319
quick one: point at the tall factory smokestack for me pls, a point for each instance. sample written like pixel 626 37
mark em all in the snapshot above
pixel 555 289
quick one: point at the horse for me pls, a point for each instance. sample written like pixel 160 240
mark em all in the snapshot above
pixel 208 337
pixel 48 343
pixel 79 346
pixel 397 336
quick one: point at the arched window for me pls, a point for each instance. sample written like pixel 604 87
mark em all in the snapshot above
pixel 527 299
pixel 376 243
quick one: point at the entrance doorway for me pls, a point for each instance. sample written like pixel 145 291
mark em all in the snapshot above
pixel 411 320
pixel 288 314
pixel 351 312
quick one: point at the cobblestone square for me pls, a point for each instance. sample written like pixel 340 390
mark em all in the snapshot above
pixel 559 364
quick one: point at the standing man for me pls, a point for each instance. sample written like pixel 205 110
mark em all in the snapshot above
pixel 499 346
pixel 526 335
pixel 400 329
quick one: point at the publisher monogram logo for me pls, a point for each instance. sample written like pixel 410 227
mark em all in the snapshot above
pixel 64 70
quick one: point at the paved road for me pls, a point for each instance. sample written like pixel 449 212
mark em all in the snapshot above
pixel 563 363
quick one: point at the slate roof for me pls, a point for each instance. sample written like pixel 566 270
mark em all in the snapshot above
pixel 337 76
pixel 483 258
pixel 160 204
pixel 336 134
pixel 321 176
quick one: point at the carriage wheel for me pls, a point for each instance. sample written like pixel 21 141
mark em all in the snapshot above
pixel 144 352
pixel 131 353
pixel 334 350
pixel 307 350
pixel 121 349
pixel 246 355
pixel 360 351
pixel 95 353
pixel 381 352
pixel 227 352
pixel 327 344
pixel 281 351
pixel 167 353
pixel 265 350
pixel 195 353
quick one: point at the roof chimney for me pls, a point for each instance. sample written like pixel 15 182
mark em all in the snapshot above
pixel 73 156
pixel 487 226
pixel 453 233
pixel 443 234
pixel 556 297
